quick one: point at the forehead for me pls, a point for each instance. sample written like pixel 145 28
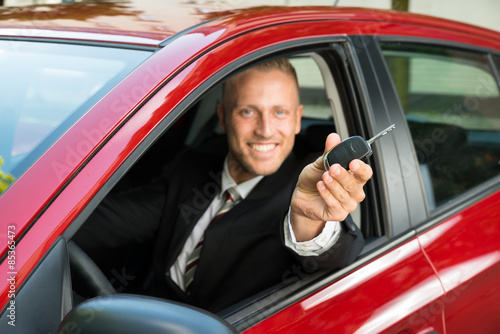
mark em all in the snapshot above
pixel 273 84
pixel 255 74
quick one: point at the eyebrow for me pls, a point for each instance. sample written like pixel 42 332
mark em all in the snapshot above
pixel 253 106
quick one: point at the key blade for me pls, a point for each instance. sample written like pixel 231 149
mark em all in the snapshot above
pixel 380 134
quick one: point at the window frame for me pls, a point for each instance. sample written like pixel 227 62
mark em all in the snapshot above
pixel 401 206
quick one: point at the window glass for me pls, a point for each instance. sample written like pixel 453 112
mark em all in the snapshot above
pixel 497 61
pixel 312 88
pixel 45 88
pixel 452 105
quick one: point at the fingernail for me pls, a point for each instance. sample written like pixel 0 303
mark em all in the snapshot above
pixel 327 177
pixel 321 185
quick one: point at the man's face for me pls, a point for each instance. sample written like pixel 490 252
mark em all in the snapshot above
pixel 261 118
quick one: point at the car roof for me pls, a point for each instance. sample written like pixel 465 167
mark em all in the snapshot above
pixel 142 22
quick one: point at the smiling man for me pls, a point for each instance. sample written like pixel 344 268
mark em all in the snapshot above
pixel 230 228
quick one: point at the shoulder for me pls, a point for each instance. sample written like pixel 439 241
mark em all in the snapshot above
pixel 190 160
pixel 192 166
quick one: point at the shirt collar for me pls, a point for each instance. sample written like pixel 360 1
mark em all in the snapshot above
pixel 243 188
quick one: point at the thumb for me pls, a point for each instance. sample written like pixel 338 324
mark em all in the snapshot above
pixel 332 140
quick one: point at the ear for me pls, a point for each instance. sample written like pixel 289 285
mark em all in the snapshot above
pixel 300 110
pixel 222 116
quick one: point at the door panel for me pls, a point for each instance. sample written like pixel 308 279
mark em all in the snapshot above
pixel 450 98
pixel 397 292
pixel 39 305
pixel 465 252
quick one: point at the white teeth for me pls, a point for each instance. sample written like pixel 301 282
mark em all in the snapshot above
pixel 263 147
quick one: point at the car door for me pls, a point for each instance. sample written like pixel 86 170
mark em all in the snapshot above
pixel 451 102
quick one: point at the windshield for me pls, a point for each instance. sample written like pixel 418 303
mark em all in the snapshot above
pixel 47 87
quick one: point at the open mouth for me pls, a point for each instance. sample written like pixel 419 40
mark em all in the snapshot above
pixel 263 147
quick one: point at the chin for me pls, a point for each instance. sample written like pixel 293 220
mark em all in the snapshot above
pixel 266 167
pixel 268 170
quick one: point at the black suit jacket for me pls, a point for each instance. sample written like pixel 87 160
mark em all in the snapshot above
pixel 243 252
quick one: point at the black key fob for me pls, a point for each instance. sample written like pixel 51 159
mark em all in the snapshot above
pixel 349 149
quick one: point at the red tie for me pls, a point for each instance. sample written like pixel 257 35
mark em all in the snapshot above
pixel 232 198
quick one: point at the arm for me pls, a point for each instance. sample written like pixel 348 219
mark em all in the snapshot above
pixel 343 244
pixel 124 218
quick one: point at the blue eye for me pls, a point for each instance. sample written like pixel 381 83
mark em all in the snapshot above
pixel 247 112
pixel 281 113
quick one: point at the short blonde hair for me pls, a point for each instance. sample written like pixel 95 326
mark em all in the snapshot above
pixel 281 64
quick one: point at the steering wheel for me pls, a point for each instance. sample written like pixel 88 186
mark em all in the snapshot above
pixel 88 279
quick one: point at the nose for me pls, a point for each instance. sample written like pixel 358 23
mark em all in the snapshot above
pixel 265 126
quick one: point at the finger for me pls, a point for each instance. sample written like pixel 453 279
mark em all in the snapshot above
pixel 333 210
pixel 348 182
pixel 338 201
pixel 362 171
pixel 337 195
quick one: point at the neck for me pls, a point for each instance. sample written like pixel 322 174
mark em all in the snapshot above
pixel 238 172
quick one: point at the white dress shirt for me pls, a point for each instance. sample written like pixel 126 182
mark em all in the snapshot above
pixel 314 247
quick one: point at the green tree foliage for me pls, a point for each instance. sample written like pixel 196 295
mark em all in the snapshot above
pixel 5 178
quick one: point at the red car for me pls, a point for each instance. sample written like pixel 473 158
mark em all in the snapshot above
pixel 92 92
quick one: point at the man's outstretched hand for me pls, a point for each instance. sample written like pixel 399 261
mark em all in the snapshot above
pixel 321 196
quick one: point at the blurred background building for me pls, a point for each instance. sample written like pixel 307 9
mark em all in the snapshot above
pixel 484 13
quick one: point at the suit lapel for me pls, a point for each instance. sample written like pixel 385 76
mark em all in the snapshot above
pixel 216 234
pixel 198 197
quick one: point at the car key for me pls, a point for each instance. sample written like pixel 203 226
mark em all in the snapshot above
pixel 354 147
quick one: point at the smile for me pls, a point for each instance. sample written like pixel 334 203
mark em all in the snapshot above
pixel 263 147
